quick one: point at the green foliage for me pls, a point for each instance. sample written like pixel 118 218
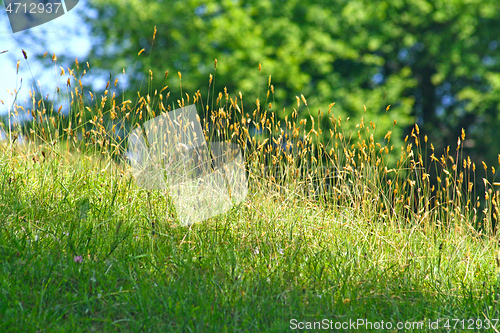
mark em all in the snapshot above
pixel 306 49
pixel 437 60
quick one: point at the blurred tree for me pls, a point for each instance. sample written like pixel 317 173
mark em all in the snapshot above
pixel 438 60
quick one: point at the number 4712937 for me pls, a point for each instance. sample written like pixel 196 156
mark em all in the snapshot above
pixel 32 8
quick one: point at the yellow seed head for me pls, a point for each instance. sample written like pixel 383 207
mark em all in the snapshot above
pixel 303 99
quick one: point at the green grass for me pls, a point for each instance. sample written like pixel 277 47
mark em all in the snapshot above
pixel 341 227
pixel 256 268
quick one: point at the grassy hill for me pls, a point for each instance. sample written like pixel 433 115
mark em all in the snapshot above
pixel 349 229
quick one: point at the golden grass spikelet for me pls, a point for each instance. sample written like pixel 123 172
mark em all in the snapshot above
pixel 303 99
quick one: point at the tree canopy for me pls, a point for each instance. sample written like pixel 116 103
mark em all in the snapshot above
pixel 436 61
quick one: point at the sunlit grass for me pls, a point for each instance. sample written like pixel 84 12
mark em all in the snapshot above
pixel 339 223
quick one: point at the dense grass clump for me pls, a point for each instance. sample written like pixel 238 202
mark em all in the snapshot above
pixel 339 224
